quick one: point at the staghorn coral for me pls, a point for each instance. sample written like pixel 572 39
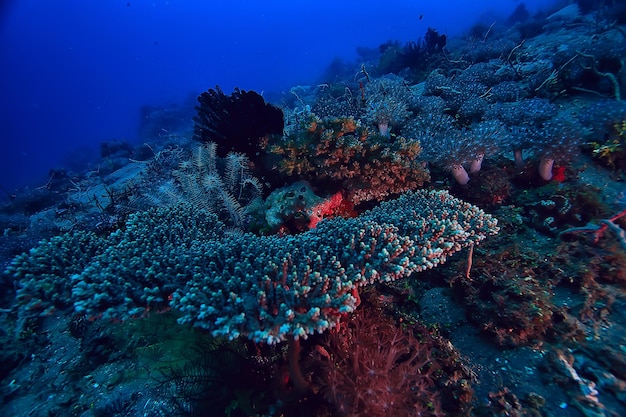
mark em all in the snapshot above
pixel 344 154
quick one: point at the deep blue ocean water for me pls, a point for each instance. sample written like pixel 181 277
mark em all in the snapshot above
pixel 74 73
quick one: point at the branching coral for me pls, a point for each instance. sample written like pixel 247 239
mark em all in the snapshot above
pixel 266 288
pixel 345 154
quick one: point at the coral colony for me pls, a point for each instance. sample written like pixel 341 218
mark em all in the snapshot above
pixel 315 224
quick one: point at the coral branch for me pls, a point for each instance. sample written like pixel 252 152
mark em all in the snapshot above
pixel 598 230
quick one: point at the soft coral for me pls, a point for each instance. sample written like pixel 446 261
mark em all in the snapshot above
pixel 371 367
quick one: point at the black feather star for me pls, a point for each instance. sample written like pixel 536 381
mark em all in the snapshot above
pixel 236 122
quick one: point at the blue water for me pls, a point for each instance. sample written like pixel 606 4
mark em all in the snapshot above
pixel 74 73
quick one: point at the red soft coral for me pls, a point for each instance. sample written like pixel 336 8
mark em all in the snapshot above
pixel 373 368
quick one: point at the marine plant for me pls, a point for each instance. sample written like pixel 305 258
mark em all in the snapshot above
pixel 611 151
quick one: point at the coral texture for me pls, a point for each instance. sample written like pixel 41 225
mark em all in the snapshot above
pixel 265 288
pixel 371 367
pixel 368 167
pixel 387 103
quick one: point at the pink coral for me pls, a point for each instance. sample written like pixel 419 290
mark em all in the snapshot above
pixel 331 206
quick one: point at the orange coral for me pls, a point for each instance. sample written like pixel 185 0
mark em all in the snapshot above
pixel 341 153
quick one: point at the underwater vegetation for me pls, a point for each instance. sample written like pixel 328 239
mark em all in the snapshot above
pixel 440 232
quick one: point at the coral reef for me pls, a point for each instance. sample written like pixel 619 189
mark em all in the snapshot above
pixel 343 155
pixel 308 304
pixel 372 367
pixel 181 258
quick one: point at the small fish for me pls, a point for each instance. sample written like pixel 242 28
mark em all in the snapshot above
pixel 421 16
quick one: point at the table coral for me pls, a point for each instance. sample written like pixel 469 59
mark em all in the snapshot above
pixel 266 288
